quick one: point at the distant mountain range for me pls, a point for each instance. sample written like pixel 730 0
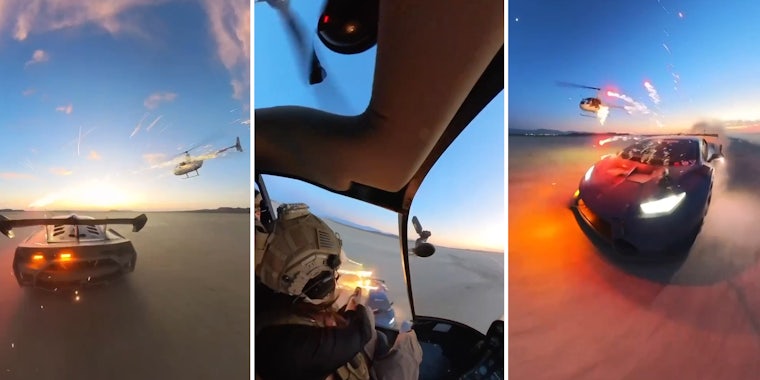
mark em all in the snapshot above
pixel 220 210
pixel 354 225
pixel 225 210
pixel 554 132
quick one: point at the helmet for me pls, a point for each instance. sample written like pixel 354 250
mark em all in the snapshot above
pixel 300 256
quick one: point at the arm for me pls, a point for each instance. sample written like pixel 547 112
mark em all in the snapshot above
pixel 296 351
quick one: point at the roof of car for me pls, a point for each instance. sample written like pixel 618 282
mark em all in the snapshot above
pixel 431 79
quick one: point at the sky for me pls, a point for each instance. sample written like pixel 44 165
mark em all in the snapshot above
pixel 673 63
pixel 465 185
pixel 99 98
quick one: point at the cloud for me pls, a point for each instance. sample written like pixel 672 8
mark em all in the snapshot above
pixel 230 26
pixel 65 109
pixel 61 171
pixel 158 164
pixel 94 155
pixel 238 89
pixel 40 16
pixel 38 56
pixel 14 175
pixel 229 22
pixel 153 158
pixel 155 99
pixel 28 91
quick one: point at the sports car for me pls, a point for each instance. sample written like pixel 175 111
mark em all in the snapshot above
pixel 381 305
pixel 652 196
pixel 377 298
pixel 71 250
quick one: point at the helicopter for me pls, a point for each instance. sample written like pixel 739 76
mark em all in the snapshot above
pixel 190 164
pixel 590 106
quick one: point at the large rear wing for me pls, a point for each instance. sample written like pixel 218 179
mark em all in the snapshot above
pixel 7 225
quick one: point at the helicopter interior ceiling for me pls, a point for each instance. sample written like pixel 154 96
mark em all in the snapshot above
pixel 430 57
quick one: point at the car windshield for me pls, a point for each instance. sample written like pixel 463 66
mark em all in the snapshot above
pixel 663 152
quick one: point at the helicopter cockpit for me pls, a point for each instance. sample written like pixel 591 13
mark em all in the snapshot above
pixel 360 135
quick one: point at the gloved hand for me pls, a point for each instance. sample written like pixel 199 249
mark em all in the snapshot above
pixel 355 299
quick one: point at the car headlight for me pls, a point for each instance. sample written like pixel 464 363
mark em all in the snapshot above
pixel 662 206
pixel 588 173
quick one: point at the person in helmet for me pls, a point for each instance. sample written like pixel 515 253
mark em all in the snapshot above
pixel 299 332
pixel 296 272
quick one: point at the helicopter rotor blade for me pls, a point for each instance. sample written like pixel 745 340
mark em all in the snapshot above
pixel 305 51
pixel 568 84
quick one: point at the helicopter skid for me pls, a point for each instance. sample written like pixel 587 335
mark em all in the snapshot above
pixel 190 176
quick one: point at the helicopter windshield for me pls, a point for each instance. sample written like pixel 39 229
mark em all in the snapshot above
pixel 280 64
pixel 464 279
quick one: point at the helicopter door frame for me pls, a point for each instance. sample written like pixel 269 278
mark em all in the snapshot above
pixel 267 214
pixel 403 225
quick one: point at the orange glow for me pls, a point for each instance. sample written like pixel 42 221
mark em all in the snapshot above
pixel 65 256
pixel 38 257
pixel 576 194
pixel 355 279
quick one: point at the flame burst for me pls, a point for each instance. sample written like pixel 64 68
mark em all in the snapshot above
pixel 351 280
pixel 602 114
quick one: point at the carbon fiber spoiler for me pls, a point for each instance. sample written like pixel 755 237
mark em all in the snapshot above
pixel 7 225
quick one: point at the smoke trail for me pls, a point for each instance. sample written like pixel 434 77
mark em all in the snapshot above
pixel 602 114
pixel 652 92
pixel 633 106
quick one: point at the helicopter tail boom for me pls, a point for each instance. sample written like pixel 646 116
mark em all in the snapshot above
pixel 237 147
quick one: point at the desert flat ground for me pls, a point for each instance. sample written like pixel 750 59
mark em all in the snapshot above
pixel 461 285
pixel 183 314
pixel 575 312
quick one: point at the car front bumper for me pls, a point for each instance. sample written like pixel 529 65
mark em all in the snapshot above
pixel 636 235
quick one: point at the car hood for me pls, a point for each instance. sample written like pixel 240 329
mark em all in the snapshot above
pixel 617 185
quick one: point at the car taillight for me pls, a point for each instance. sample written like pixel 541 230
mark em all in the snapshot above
pixel 65 256
pixel 37 257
